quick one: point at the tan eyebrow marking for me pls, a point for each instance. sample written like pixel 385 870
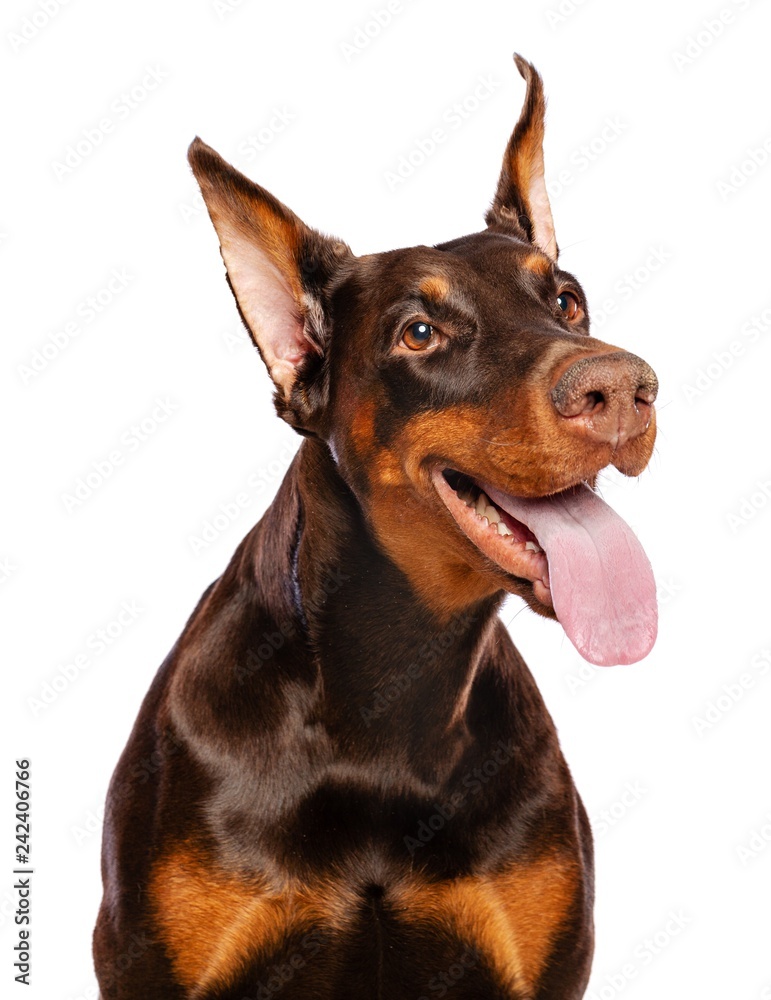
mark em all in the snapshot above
pixel 435 287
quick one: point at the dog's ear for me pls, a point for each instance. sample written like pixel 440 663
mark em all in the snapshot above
pixel 278 270
pixel 521 199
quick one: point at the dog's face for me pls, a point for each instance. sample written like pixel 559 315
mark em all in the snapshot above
pixel 461 396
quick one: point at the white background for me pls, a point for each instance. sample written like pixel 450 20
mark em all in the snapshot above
pixel 694 835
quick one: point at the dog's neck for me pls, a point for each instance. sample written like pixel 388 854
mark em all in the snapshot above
pixel 394 678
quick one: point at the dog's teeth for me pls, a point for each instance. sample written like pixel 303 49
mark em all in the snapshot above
pixel 533 547
pixel 482 504
pixel 492 515
pixel 503 530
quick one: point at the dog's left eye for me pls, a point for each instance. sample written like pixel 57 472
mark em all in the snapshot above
pixel 570 306
pixel 421 337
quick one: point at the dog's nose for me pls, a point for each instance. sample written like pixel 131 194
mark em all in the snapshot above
pixel 608 397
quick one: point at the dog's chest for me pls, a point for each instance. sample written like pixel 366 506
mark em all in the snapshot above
pixel 490 934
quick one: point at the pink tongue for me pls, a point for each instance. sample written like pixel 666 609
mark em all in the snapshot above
pixel 601 581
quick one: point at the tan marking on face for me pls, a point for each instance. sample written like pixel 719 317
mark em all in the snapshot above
pixel 388 470
pixel 362 432
pixel 411 522
pixel 537 263
pixel 410 529
pixel 436 286
pixel 517 442
pixel 383 469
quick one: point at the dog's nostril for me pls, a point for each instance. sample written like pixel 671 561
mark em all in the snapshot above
pixel 578 402
pixel 609 395
pixel 645 396
pixel 594 400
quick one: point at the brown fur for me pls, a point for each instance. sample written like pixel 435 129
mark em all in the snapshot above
pixel 355 785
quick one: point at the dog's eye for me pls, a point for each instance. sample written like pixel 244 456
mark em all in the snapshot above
pixel 421 337
pixel 570 306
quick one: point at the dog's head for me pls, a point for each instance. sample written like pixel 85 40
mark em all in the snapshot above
pixel 460 394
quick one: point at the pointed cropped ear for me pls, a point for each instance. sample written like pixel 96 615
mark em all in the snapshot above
pixel 277 268
pixel 521 199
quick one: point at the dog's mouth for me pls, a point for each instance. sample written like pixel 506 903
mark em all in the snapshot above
pixel 501 537
pixel 581 559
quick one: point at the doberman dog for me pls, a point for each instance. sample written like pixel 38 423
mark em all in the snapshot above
pixel 343 783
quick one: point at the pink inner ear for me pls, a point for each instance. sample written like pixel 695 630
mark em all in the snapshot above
pixel 540 213
pixel 268 304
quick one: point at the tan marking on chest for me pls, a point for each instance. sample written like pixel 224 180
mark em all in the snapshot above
pixel 215 923
pixel 512 918
pixel 537 899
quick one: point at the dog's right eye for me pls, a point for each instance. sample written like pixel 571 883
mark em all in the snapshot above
pixel 421 337
pixel 570 306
